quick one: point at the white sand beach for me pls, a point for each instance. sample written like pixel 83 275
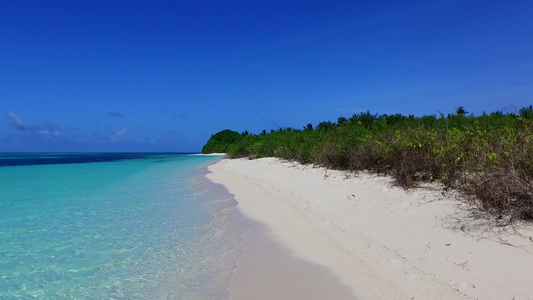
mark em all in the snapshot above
pixel 367 236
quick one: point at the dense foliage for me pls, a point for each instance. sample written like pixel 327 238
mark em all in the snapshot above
pixel 488 156
pixel 218 143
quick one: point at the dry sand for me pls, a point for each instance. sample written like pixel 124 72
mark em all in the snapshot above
pixel 361 233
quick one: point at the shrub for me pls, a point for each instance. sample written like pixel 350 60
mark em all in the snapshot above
pixel 219 142
pixel 489 157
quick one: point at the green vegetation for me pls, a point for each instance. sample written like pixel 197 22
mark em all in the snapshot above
pixel 219 143
pixel 488 156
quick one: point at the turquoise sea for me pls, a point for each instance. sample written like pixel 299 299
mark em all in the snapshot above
pixel 113 226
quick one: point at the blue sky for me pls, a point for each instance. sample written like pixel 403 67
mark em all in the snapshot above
pixel 165 75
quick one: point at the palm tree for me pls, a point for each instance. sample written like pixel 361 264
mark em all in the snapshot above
pixel 526 112
pixel 341 121
pixel 461 111
pixel 324 126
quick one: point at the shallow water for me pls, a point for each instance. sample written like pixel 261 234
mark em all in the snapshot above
pixel 119 226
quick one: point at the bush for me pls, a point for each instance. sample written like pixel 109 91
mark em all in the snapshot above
pixel 490 156
pixel 219 142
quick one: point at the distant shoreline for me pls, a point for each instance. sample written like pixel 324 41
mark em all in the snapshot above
pixel 209 154
pixel 380 241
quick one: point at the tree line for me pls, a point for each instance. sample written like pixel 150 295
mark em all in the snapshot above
pixel 489 156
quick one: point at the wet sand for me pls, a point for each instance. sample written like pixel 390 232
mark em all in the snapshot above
pixel 268 270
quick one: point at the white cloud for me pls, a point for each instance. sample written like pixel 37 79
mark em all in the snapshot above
pixel 119 133
pixel 15 120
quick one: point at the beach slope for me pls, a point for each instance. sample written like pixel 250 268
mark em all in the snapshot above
pixel 382 242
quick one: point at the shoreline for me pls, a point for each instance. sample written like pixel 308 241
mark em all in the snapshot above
pixel 267 270
pixel 377 240
pixel 263 267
